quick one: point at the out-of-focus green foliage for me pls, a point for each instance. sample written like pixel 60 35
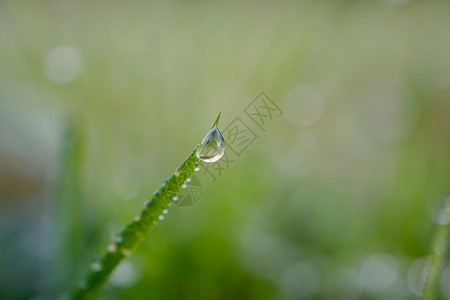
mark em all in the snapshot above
pixel 333 200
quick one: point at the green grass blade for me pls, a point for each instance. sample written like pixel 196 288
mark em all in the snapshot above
pixel 438 254
pixel 217 120
pixel 136 229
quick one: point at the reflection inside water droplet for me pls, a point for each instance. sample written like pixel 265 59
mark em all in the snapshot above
pixel 212 147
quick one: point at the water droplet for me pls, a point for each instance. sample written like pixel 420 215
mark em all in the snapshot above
pixel 196 169
pixel 177 172
pixel 176 198
pixel 137 218
pixel 184 186
pixel 96 266
pixel 188 180
pixel 112 247
pixel 147 203
pixel 166 211
pixel 161 217
pixel 212 147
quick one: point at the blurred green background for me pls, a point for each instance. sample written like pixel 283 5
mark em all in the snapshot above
pixel 100 101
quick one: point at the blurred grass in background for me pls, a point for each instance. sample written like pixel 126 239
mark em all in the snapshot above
pixel 100 101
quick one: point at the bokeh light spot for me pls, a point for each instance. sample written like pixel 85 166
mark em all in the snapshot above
pixel 63 64
pixel 379 271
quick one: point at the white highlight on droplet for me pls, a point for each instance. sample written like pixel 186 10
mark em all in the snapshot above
pixel 184 186
pixel 177 173
pixel 176 198
pixel 63 64
pixel 196 169
pixel 188 180
pixel 161 217
pixel 166 211
pixel 137 218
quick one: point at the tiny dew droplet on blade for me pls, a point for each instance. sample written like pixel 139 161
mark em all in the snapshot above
pixel 212 147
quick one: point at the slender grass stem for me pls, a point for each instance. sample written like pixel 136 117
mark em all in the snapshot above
pixel 136 230
pixel 438 254
pixel 133 234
